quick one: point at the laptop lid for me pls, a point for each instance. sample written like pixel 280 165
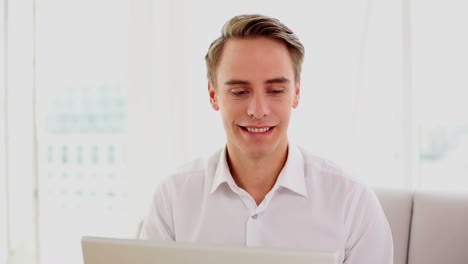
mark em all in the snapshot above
pixel 97 250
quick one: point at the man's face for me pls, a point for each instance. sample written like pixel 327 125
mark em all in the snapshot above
pixel 255 91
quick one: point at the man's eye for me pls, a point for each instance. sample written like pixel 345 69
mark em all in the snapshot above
pixel 238 92
pixel 277 91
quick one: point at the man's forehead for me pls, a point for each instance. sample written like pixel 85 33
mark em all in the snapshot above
pixel 254 60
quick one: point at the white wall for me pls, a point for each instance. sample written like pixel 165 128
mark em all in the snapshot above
pixel 19 133
pixel 3 157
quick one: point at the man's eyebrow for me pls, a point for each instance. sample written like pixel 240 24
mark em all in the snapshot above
pixel 236 81
pixel 278 80
pixel 270 81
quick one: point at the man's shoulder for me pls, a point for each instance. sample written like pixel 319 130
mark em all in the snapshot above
pixel 327 181
pixel 319 170
pixel 193 172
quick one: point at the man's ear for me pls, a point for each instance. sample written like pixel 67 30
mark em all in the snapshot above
pixel 297 93
pixel 213 96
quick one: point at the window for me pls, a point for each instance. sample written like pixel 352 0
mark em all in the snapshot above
pixel 82 79
pixel 440 81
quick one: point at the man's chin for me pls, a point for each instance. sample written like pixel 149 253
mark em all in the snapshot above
pixel 259 151
pixel 255 149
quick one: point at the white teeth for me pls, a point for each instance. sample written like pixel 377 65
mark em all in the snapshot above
pixel 258 130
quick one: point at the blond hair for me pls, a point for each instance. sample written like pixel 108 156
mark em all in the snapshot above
pixel 252 26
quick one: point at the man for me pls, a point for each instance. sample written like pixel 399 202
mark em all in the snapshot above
pixel 261 190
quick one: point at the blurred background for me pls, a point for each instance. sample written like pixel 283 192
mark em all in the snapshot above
pixel 100 100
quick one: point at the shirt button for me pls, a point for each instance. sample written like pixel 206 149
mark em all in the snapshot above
pixel 254 216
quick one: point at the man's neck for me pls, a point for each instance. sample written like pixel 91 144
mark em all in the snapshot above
pixel 257 175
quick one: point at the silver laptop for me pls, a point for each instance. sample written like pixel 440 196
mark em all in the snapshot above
pixel 128 251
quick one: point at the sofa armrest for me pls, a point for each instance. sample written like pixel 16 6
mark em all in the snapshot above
pixel 439 229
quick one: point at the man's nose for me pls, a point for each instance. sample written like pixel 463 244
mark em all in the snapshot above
pixel 258 106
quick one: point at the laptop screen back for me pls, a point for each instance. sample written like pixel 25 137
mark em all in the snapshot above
pixel 127 251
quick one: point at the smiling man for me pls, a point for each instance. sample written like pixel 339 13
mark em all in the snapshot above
pixel 255 89
pixel 260 189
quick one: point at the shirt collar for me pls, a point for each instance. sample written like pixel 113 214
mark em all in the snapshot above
pixel 222 173
pixel 291 176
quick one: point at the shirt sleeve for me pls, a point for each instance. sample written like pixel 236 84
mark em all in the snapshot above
pixel 370 237
pixel 159 224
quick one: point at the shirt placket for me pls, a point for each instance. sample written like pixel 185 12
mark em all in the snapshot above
pixel 254 223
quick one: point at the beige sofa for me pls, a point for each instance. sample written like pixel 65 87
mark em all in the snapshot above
pixel 427 227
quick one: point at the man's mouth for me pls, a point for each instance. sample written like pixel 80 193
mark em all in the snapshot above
pixel 257 129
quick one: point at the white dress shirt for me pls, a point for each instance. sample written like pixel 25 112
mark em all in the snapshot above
pixel 313 205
